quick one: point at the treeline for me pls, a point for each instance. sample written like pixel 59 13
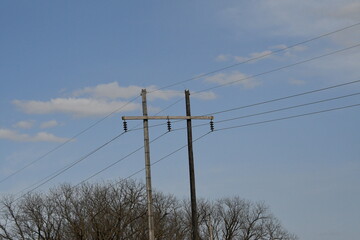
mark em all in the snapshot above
pixel 118 211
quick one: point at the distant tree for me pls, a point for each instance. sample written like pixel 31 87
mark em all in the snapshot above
pixel 117 211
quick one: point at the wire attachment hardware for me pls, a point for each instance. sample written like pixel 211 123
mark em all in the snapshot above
pixel 212 125
pixel 125 126
pixel 168 125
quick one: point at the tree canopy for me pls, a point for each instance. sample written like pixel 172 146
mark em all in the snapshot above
pixel 117 210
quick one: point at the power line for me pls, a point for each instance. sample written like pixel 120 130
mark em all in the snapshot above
pixel 243 125
pixel 120 160
pixel 286 118
pixel 57 173
pixel 67 141
pixel 279 68
pixel 257 58
pixel 166 156
pixel 280 109
pixel 284 98
pixel 206 74
pixel 190 79
pixel 271 71
pixel 263 102
pixel 225 120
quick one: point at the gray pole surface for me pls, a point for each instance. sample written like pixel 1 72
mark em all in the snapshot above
pixel 194 217
pixel 147 168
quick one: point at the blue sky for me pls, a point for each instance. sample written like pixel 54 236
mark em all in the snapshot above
pixel 65 65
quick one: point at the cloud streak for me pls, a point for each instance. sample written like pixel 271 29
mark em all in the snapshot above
pixel 235 77
pixel 78 107
pixel 114 91
pixel 11 135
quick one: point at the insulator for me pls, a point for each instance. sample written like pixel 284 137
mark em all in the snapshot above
pixel 169 125
pixel 125 126
pixel 211 125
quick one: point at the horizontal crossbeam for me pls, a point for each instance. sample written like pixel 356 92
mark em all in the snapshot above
pixel 166 117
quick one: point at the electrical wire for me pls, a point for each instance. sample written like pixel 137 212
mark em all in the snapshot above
pixel 284 98
pixel 279 109
pixel 262 103
pixel 279 68
pixel 286 118
pixel 265 55
pixel 258 57
pixel 57 173
pixel 120 160
pixel 166 156
pixel 67 141
pixel 181 82
pixel 240 126
pixel 270 71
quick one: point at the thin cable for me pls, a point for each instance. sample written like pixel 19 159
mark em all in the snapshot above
pixel 67 141
pixel 166 156
pixel 257 58
pixel 283 98
pixel 279 68
pixel 120 160
pixel 273 70
pixel 57 173
pixel 278 110
pixel 261 103
pixel 289 117
pixel 244 125
pixel 174 84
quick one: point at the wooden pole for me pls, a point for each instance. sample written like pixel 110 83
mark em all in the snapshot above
pixel 147 168
pixel 194 217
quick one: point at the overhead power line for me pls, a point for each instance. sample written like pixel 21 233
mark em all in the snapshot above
pixel 240 126
pixel 67 141
pixel 289 117
pixel 64 169
pixel 118 161
pixel 286 97
pixel 177 83
pixel 258 57
pixel 279 68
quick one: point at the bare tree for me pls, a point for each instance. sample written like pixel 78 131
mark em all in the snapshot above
pixel 117 211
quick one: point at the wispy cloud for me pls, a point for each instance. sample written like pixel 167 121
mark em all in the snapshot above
pixel 297 82
pixel 100 100
pixel 78 107
pixel 49 124
pixel 253 57
pixel 8 134
pixel 235 77
pixel 114 91
pixel 24 124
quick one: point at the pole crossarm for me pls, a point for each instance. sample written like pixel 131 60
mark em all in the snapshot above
pixel 167 117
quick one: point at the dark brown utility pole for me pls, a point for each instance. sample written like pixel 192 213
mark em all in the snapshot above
pixel 194 216
pixel 188 117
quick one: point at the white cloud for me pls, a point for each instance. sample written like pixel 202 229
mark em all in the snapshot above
pixel 49 124
pixel 297 82
pixel 100 100
pixel 114 91
pixel 79 107
pixel 24 124
pixel 235 77
pixel 223 58
pixel 8 134
pixel 109 90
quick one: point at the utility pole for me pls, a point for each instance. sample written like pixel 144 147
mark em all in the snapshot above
pixel 147 167
pixel 188 118
pixel 194 215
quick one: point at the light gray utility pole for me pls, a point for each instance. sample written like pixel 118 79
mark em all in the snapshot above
pixel 188 118
pixel 147 167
